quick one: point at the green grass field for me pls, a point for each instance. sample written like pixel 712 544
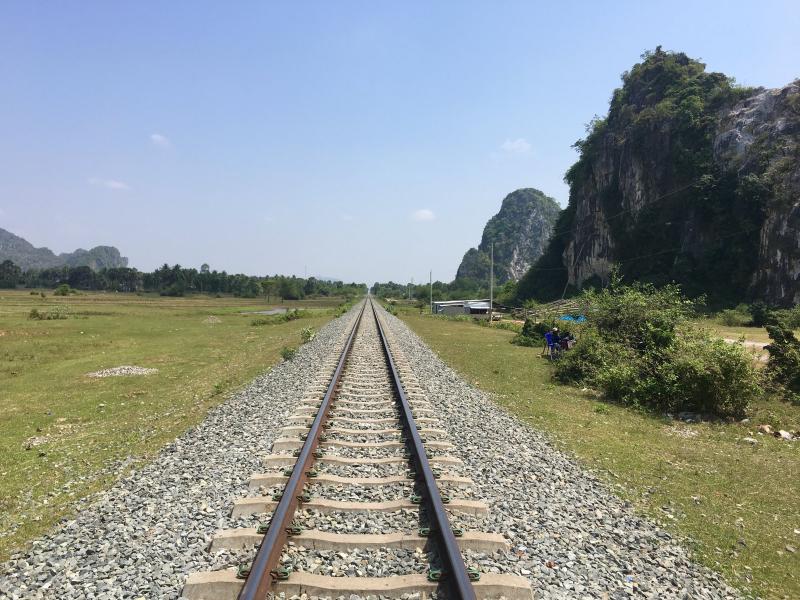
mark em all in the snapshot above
pixel 737 506
pixel 64 435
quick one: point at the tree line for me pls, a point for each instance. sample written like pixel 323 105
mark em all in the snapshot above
pixel 174 281
pixel 460 289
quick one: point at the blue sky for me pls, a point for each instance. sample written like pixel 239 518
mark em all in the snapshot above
pixel 364 140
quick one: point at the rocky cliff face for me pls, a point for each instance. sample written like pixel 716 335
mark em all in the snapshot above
pixel 688 179
pixel 760 138
pixel 520 231
pixel 25 255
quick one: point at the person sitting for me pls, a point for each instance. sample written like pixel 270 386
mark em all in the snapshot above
pixel 567 341
pixel 553 342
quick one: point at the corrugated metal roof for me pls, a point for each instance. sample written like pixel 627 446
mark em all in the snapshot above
pixel 478 304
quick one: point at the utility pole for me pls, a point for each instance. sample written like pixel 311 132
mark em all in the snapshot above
pixel 430 283
pixel 491 286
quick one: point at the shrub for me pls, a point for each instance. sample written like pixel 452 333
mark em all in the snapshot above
pixel 260 322
pixel 342 308
pixel 307 334
pixel 710 376
pixel 174 290
pixel 734 318
pixel 288 353
pixel 783 366
pixel 789 317
pixel 530 334
pixel 583 363
pixel 638 350
pixel 760 314
pixel 391 309
pixel 56 313
pixel 63 290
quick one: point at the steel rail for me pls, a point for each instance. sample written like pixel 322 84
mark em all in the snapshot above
pixel 455 577
pixel 263 570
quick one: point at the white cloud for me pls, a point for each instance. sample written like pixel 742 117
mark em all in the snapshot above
pixel 111 184
pixel 423 214
pixel 160 140
pixel 517 146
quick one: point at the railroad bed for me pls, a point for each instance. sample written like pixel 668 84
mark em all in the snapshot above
pixel 363 440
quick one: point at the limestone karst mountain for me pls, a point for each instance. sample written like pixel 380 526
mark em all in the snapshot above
pixel 520 231
pixel 27 256
pixel 688 178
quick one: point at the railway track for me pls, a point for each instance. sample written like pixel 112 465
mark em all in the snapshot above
pixel 363 431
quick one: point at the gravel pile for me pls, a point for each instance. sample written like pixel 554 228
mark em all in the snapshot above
pixel 570 536
pixel 123 371
pixel 143 537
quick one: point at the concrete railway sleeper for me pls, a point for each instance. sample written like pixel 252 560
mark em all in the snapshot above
pixel 367 419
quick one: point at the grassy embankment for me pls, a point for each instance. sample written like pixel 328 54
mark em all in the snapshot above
pixel 82 432
pixel 738 505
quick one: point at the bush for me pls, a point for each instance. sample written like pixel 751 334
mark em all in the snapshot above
pixel 174 290
pixel 734 318
pixel 584 361
pixel 56 313
pixel 530 335
pixel 760 314
pixel 290 315
pixel 288 353
pixel 391 309
pixel 710 376
pixel 639 350
pixel 783 366
pixel 63 290
pixel 789 317
pixel 307 334
pixel 342 308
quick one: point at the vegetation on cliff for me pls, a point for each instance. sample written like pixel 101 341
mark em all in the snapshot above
pixel 672 212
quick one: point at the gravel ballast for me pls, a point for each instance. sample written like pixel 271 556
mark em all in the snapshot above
pixel 141 538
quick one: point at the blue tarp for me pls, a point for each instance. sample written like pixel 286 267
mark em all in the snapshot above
pixel 578 319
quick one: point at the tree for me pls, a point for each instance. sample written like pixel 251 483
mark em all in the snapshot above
pixel 10 274
pixel 267 288
pixel 82 278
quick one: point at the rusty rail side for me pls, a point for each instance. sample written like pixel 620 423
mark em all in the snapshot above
pixel 264 566
pixel 456 578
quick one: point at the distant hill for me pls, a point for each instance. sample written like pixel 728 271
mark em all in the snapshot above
pixel 520 232
pixel 27 256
